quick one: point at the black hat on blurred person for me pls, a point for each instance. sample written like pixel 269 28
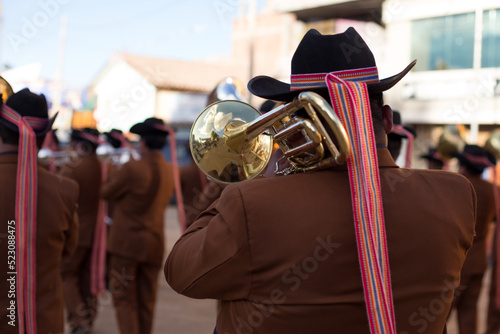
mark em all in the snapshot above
pixel 113 137
pixel 150 126
pixel 28 104
pixel 86 134
pixel 433 154
pixel 475 158
pixel 433 158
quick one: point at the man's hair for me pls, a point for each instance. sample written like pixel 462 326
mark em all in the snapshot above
pixel 12 137
pixel 155 141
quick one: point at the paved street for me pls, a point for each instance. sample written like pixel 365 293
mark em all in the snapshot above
pixel 177 314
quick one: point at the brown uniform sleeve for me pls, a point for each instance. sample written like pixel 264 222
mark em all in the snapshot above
pixel 212 258
pixel 117 184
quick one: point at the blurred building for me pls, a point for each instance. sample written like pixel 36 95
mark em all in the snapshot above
pixel 456 43
pixel 456 79
pixel 132 88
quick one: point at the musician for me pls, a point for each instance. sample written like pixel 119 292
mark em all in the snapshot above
pixel 473 161
pixel 434 160
pixel 141 191
pixel 281 252
pixel 80 302
pixel 54 224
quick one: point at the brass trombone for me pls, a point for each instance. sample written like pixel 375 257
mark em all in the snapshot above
pixel 231 142
pixel 5 89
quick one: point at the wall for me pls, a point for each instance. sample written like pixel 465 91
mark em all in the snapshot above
pixel 124 98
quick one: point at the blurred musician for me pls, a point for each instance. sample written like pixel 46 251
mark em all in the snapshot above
pixel 473 161
pixel 81 304
pixel 141 191
pixel 433 158
pixel 42 226
pixel 281 253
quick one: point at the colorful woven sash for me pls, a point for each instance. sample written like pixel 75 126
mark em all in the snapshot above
pixel 98 259
pixel 26 206
pixel 351 103
pixel 177 176
pixel 400 130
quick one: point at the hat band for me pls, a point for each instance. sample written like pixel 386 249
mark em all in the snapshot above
pixel 93 139
pixel 119 136
pixel 316 80
pixel 480 161
pixel 14 117
pixel 161 127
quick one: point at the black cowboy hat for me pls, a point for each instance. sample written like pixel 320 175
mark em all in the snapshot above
pixel 475 156
pixel 79 135
pixel 396 120
pixel 112 140
pixel 26 103
pixel 319 53
pixel 150 126
pixel 433 154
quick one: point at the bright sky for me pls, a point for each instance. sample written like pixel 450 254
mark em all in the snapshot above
pixel 178 29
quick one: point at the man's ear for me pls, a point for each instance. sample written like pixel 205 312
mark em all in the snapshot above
pixel 387 113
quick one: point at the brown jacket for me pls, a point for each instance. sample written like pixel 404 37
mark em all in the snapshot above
pixel 86 171
pixel 141 191
pixel 56 234
pixel 476 263
pixel 196 197
pixel 281 252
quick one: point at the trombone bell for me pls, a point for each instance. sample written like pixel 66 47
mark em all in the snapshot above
pixel 221 149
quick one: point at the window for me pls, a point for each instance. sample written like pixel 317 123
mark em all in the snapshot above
pixel 442 43
pixel 490 56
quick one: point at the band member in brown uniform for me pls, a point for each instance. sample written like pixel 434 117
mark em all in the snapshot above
pixel 434 159
pixel 81 304
pixel 281 252
pixel 473 160
pixel 141 191
pixel 56 221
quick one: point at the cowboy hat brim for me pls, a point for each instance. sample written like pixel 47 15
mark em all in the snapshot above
pixel 272 89
pixel 146 129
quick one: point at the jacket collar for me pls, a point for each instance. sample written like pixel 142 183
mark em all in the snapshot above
pixel 8 157
pixel 384 158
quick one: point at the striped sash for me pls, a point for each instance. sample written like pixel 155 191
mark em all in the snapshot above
pixel 26 206
pixel 98 258
pixel 351 103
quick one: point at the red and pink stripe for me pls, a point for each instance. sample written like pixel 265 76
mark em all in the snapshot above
pixel 351 103
pixel 26 206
